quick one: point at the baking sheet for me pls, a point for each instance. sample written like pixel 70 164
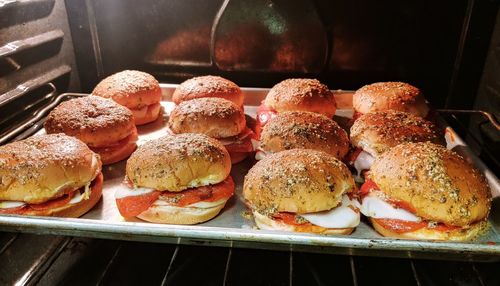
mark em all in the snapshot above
pixel 234 227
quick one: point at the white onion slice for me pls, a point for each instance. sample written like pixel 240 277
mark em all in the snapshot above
pixel 373 206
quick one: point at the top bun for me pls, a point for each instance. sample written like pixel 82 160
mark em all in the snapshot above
pixel 215 117
pixel 379 131
pixel 45 167
pixel 298 181
pixel 130 88
pixel 94 120
pixel 208 86
pixel 438 183
pixel 178 162
pixel 301 94
pixel 390 95
pixel 305 130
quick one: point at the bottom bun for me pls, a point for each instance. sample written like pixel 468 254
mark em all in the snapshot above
pixel 237 157
pixel 78 209
pixel 180 215
pixel 146 114
pixel 113 155
pixel 266 223
pixel 426 233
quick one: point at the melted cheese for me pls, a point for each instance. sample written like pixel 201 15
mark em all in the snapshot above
pixel 341 216
pixel 364 161
pixel 373 206
pixel 127 192
pixel 260 154
pixel 81 196
pixel 11 204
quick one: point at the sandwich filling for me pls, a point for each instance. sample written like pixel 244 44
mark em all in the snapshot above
pixel 132 200
pixel 120 144
pixel 69 197
pixel 241 143
pixel 393 215
pixel 344 216
pixel 264 114
pixel 361 160
pixel 146 111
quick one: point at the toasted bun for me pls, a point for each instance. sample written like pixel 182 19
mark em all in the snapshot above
pixel 298 181
pixel 301 94
pixel 215 117
pixel 426 233
pixel 266 223
pixel 146 114
pixel 45 167
pixel 208 86
pixel 130 88
pixel 379 131
pixel 306 130
pixel 180 215
pixel 390 95
pixel 438 183
pixel 96 121
pixel 178 162
pixel 74 210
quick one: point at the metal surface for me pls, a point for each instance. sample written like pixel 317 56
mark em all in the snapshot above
pixel 24 44
pixel 232 229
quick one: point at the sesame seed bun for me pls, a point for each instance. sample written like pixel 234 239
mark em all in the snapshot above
pixel 45 167
pixel 301 94
pixel 215 117
pixel 426 233
pixel 132 89
pixel 208 86
pixel 379 131
pixel 436 182
pixel 306 130
pixel 105 126
pixel 297 181
pixel 390 96
pixel 178 162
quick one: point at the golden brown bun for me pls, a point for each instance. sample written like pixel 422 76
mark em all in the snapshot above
pixel 113 154
pixel 77 209
pixel 215 117
pixel 237 157
pixel 94 120
pixel 298 181
pixel 301 94
pixel 130 88
pixel 438 183
pixel 305 130
pixel 390 95
pixel 45 167
pixel 426 233
pixel 146 114
pixel 180 215
pixel 266 223
pixel 208 86
pixel 379 131
pixel 178 162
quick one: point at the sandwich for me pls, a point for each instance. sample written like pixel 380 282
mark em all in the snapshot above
pixel 138 91
pixel 304 130
pixel 105 126
pixel 302 190
pixel 218 118
pixel 372 134
pixel 425 191
pixel 49 175
pixel 176 179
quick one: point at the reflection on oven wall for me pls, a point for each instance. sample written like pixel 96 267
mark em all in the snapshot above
pixel 344 43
